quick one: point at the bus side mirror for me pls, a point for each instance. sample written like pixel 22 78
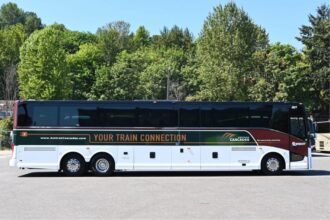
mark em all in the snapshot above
pixel 311 134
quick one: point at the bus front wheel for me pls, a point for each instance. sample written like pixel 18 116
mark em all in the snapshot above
pixel 73 165
pixel 272 165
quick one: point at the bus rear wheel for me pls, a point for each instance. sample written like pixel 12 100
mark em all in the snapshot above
pixel 73 165
pixel 102 165
pixel 272 165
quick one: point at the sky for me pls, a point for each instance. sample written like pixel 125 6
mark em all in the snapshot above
pixel 280 18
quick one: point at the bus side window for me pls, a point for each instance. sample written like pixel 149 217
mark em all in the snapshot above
pixel 78 116
pixel 280 116
pixel 189 118
pixel 44 115
pixel 260 115
pixel 149 117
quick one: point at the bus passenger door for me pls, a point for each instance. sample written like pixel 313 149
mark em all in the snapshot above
pixel 186 154
pixel 299 149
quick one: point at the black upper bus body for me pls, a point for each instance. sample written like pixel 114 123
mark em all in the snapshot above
pixel 159 114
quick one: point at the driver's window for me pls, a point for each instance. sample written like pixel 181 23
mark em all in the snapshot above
pixel 297 127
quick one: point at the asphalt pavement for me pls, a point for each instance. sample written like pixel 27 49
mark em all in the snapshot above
pixel 31 194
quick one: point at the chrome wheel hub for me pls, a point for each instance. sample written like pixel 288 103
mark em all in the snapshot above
pixel 102 165
pixel 273 164
pixel 73 165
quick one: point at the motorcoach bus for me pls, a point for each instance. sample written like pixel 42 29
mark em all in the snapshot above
pixel 108 136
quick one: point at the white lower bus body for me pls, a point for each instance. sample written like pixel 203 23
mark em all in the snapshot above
pixel 158 157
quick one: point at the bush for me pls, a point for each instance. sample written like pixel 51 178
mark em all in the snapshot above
pixel 6 126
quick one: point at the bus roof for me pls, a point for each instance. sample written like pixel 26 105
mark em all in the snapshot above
pixel 153 102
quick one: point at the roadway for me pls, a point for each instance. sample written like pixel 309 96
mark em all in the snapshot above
pixel 31 194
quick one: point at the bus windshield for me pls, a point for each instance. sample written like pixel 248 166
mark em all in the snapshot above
pixel 323 127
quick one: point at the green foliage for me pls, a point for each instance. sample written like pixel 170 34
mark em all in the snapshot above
pixel 112 39
pixel 74 39
pixel 11 39
pixel 121 81
pixel 82 67
pixel 225 51
pixel 281 77
pixel 43 70
pixel 316 38
pixel 10 15
pixel 174 37
pixel 6 125
pixel 141 37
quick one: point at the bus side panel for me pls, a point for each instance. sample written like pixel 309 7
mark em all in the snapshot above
pixel 152 157
pixel 244 157
pixel 215 157
pixel 37 156
pixel 125 157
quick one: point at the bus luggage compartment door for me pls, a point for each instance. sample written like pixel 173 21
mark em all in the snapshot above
pixel 186 156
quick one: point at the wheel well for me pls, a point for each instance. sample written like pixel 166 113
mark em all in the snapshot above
pixel 105 154
pixel 70 154
pixel 274 154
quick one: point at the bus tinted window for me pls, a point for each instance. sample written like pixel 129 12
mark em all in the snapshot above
pixel 233 116
pixel 280 116
pixel 44 116
pixel 297 127
pixel 24 115
pixel 149 117
pixel 226 116
pixel 260 115
pixel 189 118
pixel 323 127
pixel 297 122
pixel 206 116
pixel 78 116
pixel 112 117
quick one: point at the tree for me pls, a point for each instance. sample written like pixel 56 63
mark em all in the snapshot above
pixel 10 15
pixel 145 74
pixel 225 49
pixel 32 22
pixel 316 38
pixel 174 38
pixel 112 39
pixel 163 78
pixel 43 70
pixel 74 39
pixel 282 76
pixel 121 81
pixel 82 67
pixel 141 37
pixel 11 39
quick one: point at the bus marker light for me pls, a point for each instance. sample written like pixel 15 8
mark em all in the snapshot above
pixel 24 134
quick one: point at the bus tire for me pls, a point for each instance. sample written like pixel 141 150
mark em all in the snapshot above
pixel 102 165
pixel 73 165
pixel 272 164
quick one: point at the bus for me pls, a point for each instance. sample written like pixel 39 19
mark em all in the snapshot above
pixel 75 137
pixel 322 136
